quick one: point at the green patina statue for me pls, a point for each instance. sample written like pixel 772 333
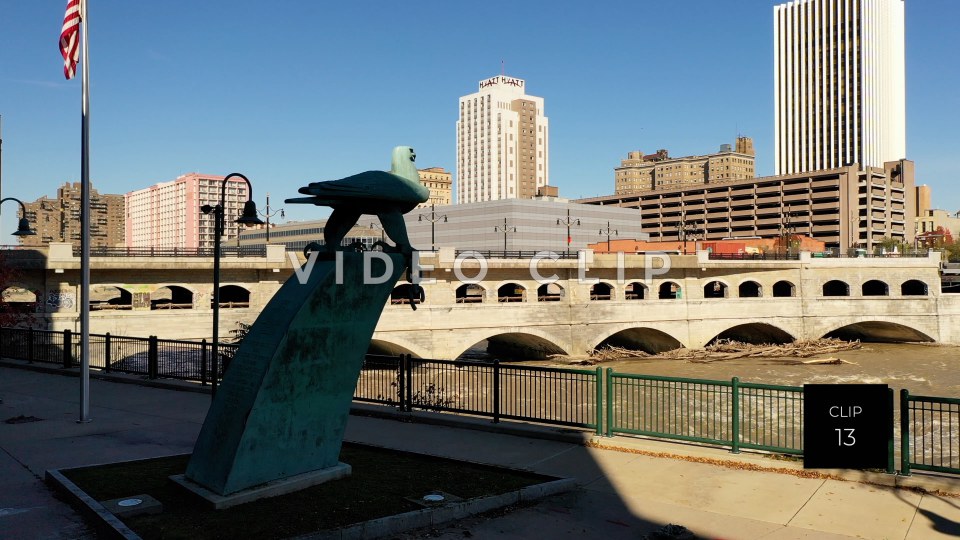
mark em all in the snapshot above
pixel 277 421
pixel 389 195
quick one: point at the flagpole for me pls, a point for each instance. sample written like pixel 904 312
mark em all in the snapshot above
pixel 85 223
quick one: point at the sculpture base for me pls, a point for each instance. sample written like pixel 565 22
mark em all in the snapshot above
pixel 270 489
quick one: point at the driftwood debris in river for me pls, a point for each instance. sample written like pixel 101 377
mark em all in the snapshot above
pixel 730 350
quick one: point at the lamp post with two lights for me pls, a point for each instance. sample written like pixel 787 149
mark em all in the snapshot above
pixel 248 218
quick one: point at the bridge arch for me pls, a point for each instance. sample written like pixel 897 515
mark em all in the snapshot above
pixel 550 292
pixel 878 331
pixel 749 288
pixel 392 346
pixel 640 338
pixel 602 291
pixel 18 298
pixel 756 333
pixel 835 287
pixel 635 291
pixel 470 293
pixel 511 291
pixel 874 287
pixel 175 297
pixel 109 296
pixel 784 289
pixel 716 288
pixel 528 343
pixel 669 290
pixel 233 296
pixel 914 287
pixel 403 293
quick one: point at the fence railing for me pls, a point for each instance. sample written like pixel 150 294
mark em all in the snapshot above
pixel 566 397
pixel 151 357
pixel 772 256
pixel 726 413
pixel 514 254
pixel 225 251
pixel 929 433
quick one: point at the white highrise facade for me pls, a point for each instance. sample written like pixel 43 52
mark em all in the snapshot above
pixel 839 84
pixel 502 143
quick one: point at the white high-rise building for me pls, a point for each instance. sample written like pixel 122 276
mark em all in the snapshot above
pixel 839 84
pixel 502 143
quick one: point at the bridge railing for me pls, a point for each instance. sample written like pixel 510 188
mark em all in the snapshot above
pixel 514 254
pixel 225 251
pixel 754 256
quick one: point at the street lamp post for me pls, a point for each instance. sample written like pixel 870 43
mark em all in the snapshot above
pixel 268 215
pixel 376 226
pixel 249 217
pixel 608 231
pixel 23 226
pixel 433 219
pixel 568 222
pixel 504 229
pixel 686 231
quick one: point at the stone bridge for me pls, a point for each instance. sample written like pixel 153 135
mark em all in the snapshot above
pixel 646 302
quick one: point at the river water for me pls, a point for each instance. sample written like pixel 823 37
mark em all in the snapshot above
pixel 923 369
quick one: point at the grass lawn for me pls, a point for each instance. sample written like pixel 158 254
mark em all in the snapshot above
pixel 378 487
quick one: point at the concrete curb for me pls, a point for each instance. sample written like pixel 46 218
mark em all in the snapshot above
pixel 375 528
pixel 433 517
pixel 106 521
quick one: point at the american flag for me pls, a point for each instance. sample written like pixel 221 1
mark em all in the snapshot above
pixel 70 39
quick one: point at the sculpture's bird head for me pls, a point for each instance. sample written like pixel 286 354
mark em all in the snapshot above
pixel 403 163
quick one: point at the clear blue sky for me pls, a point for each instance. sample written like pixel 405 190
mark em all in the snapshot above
pixel 293 91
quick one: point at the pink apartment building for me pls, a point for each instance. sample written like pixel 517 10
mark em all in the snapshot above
pixel 167 215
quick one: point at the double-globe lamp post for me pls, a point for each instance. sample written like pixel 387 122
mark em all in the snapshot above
pixel 267 214
pixel 568 222
pixel 504 229
pixel 433 219
pixel 23 226
pixel 248 218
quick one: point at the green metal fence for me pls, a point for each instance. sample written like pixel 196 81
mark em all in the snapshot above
pixel 929 433
pixel 727 413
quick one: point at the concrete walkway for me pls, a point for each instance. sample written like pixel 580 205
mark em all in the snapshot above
pixel 624 494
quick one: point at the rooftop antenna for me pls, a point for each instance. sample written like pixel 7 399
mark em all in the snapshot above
pixel 503 67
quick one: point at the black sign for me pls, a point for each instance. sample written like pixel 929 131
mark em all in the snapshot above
pixel 846 426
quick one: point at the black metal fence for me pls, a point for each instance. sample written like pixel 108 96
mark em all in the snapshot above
pixel 151 357
pixel 514 254
pixel 727 413
pixel 225 251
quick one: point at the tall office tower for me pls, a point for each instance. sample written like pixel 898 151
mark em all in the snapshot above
pixel 502 143
pixel 58 220
pixel 167 215
pixel 839 84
